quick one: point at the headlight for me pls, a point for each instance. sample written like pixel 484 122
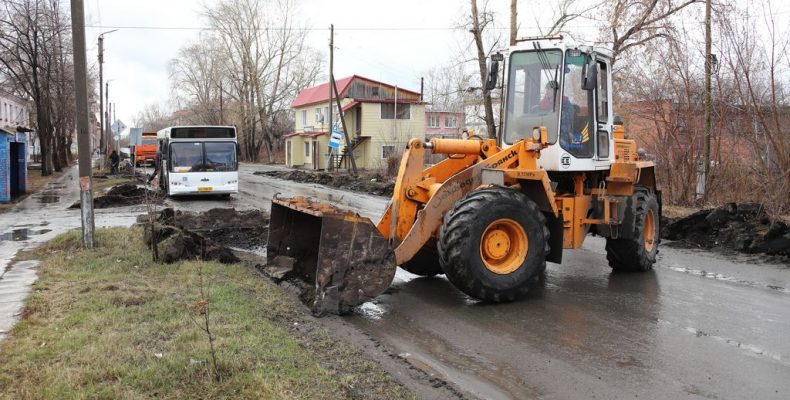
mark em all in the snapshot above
pixel 536 134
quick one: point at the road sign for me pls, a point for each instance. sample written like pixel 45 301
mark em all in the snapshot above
pixel 135 136
pixel 334 139
pixel 118 126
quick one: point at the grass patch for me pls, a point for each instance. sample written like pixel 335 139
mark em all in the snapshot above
pixel 109 323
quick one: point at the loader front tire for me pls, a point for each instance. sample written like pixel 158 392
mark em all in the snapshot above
pixel 425 262
pixel 637 253
pixel 492 243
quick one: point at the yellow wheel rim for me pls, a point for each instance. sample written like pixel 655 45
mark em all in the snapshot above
pixel 650 230
pixel 503 246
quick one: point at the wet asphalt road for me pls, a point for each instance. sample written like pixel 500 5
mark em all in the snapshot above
pixel 701 325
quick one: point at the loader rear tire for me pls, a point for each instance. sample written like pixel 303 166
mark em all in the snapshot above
pixel 638 252
pixel 425 262
pixel 492 243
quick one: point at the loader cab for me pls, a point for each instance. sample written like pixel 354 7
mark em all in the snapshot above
pixel 565 88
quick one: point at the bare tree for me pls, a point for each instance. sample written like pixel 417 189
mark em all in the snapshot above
pixel 35 63
pixel 479 22
pixel 153 117
pixel 265 62
pixel 633 23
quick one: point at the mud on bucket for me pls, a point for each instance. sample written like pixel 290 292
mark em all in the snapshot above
pixel 342 255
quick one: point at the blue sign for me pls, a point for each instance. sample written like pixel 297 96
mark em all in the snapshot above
pixel 334 139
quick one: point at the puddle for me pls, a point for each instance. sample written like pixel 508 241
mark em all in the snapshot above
pixel 18 235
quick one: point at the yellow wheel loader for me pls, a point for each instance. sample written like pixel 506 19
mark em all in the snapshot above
pixel 492 213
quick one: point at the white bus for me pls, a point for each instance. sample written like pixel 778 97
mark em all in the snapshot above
pixel 198 160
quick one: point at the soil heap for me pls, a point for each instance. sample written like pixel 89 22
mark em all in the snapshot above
pixel 127 194
pixel 207 235
pixel 375 184
pixel 744 227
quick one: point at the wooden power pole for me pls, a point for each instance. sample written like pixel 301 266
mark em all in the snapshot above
pixel 83 123
pixel 331 66
pixel 513 21
pixel 708 101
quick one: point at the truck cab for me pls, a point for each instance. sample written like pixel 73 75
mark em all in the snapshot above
pixel 566 89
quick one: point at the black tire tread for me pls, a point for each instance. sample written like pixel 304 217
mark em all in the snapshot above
pixel 425 262
pixel 629 254
pixel 453 236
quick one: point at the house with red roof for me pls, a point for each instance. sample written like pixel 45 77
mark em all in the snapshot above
pixel 380 120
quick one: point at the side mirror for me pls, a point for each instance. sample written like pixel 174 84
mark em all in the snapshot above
pixel 590 74
pixel 493 74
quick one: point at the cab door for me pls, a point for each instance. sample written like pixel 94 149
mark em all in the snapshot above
pixel 603 109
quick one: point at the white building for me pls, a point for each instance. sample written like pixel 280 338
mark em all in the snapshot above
pixel 15 112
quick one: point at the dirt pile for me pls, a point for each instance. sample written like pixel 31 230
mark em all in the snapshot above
pixel 247 229
pixel 207 235
pixel 127 194
pixel 744 227
pixel 375 184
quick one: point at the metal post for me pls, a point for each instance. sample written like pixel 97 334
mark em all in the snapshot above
pixel 83 123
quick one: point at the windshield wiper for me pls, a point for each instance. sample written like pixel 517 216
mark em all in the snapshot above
pixel 545 65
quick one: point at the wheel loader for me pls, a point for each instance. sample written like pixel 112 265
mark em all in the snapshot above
pixel 492 213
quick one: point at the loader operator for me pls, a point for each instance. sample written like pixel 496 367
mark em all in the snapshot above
pixel 568 113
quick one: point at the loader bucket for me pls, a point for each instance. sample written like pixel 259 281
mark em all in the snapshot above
pixel 338 253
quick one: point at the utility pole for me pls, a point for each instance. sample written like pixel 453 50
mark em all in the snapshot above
pixel 101 101
pixel 221 110
pixel 331 88
pixel 708 101
pixel 107 116
pixel 102 136
pixel 513 21
pixel 83 123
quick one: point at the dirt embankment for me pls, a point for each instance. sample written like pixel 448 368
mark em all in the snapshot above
pixel 744 227
pixel 127 194
pixel 375 184
pixel 209 235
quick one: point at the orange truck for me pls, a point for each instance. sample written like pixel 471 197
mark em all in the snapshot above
pixel 146 152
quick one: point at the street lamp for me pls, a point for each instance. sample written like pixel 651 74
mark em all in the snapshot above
pixel 102 140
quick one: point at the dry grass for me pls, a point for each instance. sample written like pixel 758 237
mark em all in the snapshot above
pixel 109 323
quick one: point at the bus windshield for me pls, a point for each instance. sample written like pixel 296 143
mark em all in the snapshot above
pixel 203 156
pixel 220 156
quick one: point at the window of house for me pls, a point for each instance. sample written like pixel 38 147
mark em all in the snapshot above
pixel 318 116
pixel 433 121
pixel 307 152
pixel 388 111
pixel 374 92
pixel 387 151
pixel 450 121
pixel 304 117
pixel 326 113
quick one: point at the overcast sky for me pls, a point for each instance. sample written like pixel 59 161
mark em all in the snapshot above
pixel 417 36
pixel 410 37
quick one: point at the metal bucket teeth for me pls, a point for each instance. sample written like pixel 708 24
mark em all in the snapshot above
pixel 338 252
